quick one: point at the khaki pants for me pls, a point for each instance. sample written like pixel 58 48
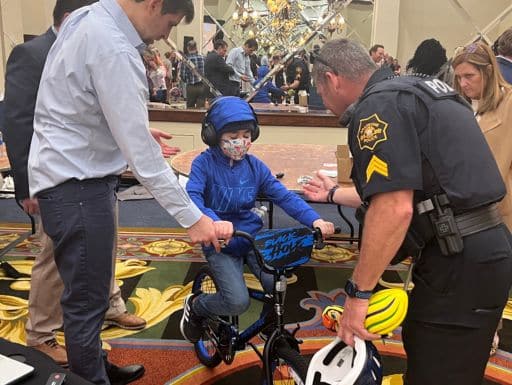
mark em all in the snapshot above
pixel 44 310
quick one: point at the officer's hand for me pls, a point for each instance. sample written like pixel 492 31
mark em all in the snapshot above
pixel 223 230
pixel 352 321
pixel 203 231
pixel 318 188
pixel 327 228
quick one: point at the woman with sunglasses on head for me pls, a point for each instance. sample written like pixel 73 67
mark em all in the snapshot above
pixel 478 79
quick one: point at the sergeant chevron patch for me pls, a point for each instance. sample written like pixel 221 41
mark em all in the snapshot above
pixel 378 166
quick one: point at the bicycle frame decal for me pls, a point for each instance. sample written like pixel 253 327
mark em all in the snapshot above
pixel 285 247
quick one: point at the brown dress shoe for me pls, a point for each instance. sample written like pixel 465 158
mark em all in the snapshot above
pixel 54 350
pixel 126 321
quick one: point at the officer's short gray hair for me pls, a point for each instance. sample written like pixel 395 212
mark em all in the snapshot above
pixel 343 57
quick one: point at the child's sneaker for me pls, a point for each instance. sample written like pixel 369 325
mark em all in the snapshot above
pixel 190 324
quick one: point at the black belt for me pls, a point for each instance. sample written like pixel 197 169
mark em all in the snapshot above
pixel 479 219
pixel 471 222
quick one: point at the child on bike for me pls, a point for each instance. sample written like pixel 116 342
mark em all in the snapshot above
pixel 224 183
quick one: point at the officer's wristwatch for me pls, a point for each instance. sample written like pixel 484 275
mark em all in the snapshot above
pixel 353 292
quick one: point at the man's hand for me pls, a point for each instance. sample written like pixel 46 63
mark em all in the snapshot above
pixel 30 206
pixel 285 87
pixel 327 228
pixel 167 150
pixel 204 231
pixel 352 321
pixel 223 230
pixel 317 188
pixel 245 78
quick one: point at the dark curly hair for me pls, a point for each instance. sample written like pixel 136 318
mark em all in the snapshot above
pixel 428 58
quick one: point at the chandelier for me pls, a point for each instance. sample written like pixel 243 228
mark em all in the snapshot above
pixel 284 25
pixel 245 15
pixel 280 25
pixel 337 23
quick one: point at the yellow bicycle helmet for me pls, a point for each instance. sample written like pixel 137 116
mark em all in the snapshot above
pixel 386 311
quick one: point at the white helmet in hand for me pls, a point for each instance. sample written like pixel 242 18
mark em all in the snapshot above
pixel 340 364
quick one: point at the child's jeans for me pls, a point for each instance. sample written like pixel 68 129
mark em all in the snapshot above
pixel 232 297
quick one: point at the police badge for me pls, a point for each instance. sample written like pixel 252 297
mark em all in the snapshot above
pixel 372 131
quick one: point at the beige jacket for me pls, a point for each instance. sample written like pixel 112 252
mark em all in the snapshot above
pixel 497 128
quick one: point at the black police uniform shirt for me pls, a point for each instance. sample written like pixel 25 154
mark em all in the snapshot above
pixel 412 133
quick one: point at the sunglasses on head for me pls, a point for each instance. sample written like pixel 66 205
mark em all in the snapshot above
pixel 324 62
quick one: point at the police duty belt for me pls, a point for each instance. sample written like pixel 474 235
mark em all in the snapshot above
pixel 470 222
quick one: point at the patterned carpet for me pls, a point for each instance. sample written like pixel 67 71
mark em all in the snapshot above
pixel 154 270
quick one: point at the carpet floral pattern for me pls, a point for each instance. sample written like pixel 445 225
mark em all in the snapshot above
pixel 155 291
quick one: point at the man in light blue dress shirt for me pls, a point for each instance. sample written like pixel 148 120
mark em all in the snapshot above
pixel 91 120
pixel 240 59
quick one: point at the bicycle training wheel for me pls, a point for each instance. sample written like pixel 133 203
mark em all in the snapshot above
pixel 288 366
pixel 205 348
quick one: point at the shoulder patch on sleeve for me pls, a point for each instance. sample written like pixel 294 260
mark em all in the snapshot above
pixel 437 88
pixel 376 165
pixel 372 131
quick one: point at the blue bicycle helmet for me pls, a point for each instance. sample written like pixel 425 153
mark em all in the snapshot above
pixel 340 364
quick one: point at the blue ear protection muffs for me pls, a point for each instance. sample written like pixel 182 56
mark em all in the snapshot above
pixel 223 111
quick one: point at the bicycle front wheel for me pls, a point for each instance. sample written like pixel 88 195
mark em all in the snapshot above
pixel 288 366
pixel 205 348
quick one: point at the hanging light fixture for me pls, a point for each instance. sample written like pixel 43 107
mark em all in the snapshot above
pixel 245 15
pixel 337 23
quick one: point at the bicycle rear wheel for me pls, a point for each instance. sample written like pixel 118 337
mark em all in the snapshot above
pixel 205 347
pixel 288 366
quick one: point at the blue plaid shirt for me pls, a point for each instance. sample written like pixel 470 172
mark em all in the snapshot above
pixel 186 74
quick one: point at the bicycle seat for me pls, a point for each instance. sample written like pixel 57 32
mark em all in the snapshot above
pixel 285 248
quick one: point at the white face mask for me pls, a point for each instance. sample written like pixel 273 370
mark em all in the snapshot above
pixel 235 148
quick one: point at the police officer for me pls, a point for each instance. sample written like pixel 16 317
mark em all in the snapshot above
pixel 297 77
pixel 424 171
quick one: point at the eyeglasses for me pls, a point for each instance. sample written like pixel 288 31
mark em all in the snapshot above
pixel 472 48
pixel 324 62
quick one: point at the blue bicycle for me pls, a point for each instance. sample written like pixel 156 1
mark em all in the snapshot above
pixel 278 252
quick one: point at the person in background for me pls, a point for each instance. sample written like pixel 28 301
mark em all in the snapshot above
pixel 255 63
pixel 215 68
pixel 239 59
pixel 195 89
pixel 314 53
pixel 83 141
pixel 396 67
pixel 279 75
pixel 504 57
pixel 24 69
pixel 402 132
pixel 157 74
pixel 264 60
pixel 168 69
pixel 478 78
pixel 377 54
pixel 173 59
pixel 267 90
pixel 297 76
pixel 224 182
pixel 428 59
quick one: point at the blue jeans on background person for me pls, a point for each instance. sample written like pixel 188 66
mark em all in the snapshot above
pixel 232 296
pixel 79 217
